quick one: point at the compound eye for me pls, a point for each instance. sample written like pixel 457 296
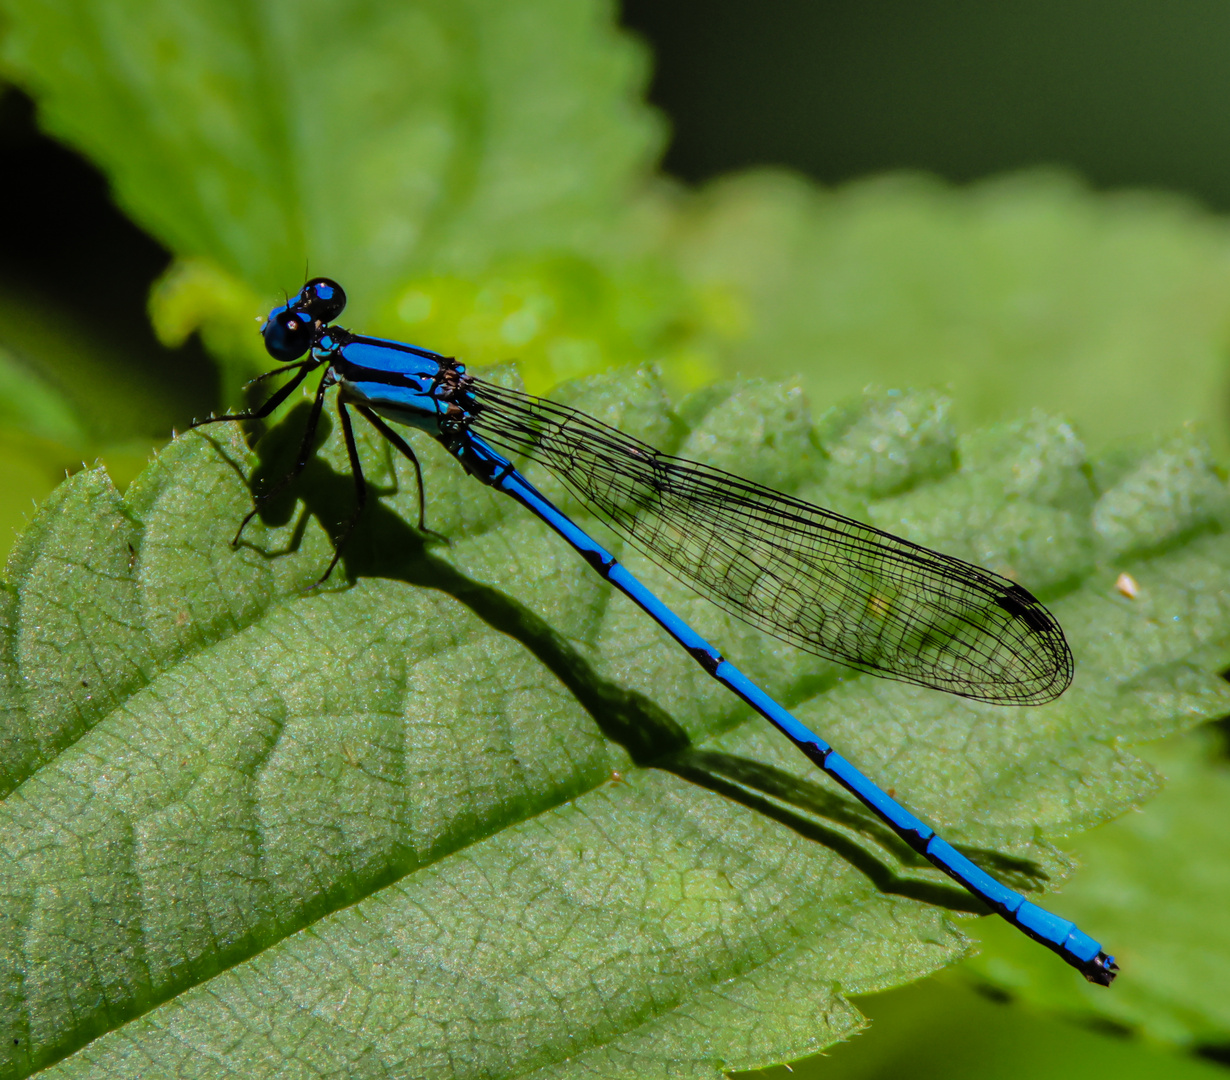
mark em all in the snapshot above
pixel 288 333
pixel 323 299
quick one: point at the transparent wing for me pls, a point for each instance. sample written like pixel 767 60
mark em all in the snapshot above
pixel 822 582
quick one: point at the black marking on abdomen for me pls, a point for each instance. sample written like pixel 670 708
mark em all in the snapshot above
pixel 598 563
pixel 709 661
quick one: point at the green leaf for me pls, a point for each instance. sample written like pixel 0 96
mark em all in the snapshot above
pixel 944 1027
pixel 28 468
pixel 461 811
pixel 1023 291
pixel 45 432
pixel 1158 883
pixel 64 401
pixel 63 381
pixel 29 404
pixel 369 141
pixel 466 170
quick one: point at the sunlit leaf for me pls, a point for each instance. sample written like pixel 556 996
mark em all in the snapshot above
pixel 461 811
pixel 1019 292
pixel 366 140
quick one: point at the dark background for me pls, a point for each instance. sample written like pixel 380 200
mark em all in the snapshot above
pixel 1126 93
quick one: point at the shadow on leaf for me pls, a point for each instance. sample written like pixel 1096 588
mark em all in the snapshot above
pixel 384 545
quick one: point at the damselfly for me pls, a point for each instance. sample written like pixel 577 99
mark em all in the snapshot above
pixel 822 582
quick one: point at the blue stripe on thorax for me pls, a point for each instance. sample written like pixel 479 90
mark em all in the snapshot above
pixel 400 382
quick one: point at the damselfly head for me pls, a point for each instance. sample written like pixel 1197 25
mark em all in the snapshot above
pixel 322 298
pixel 288 331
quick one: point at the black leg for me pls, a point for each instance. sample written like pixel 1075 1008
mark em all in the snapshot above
pixel 273 401
pixel 403 447
pixel 307 360
pixel 305 447
pixel 360 490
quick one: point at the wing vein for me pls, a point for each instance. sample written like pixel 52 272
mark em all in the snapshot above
pixel 825 583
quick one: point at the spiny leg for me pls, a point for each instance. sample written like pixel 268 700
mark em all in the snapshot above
pixel 273 401
pixel 360 490
pixel 305 447
pixel 307 361
pixel 403 448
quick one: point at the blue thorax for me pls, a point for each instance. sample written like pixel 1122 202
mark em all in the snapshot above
pixel 402 383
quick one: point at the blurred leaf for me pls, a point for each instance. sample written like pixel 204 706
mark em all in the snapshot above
pixel 193 296
pixel 561 317
pixel 943 1029
pixel 465 170
pixel 1023 291
pixel 1172 491
pixel 369 141
pixel 469 813
pixel 1157 883
pixel 29 404
pixel 44 434
pixel 77 388
pixel 31 469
